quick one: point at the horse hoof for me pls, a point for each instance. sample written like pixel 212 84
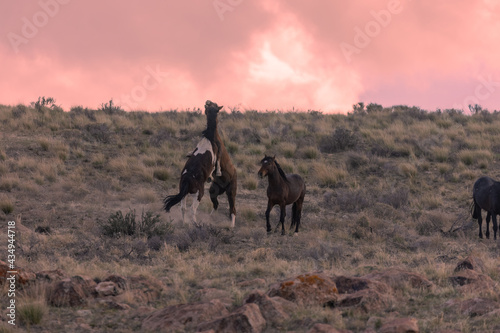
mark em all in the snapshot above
pixel 296 234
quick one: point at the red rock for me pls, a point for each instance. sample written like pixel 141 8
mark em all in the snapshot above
pixel 366 300
pixel 107 288
pixel 474 282
pixel 471 263
pixel 400 325
pixel 66 292
pixel 349 285
pixel 22 276
pixel 146 289
pixel 274 309
pixel 120 281
pixel 183 316
pixel 246 319
pixel 307 289
pixel 397 278
pixel 324 328
pixel 473 307
pixel 50 275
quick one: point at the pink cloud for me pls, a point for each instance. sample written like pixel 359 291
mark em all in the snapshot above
pixel 251 54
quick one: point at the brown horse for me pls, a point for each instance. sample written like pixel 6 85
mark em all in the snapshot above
pixel 486 195
pixel 225 181
pixel 283 190
pixel 199 167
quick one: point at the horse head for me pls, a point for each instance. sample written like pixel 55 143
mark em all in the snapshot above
pixel 211 107
pixel 267 164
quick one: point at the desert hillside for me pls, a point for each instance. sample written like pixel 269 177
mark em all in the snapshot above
pixel 387 209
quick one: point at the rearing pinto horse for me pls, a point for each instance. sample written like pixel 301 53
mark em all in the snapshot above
pixel 199 167
pixel 283 190
pixel 225 181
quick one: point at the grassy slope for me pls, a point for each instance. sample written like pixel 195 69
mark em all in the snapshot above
pixel 384 190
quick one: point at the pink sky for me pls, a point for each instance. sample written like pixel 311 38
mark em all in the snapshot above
pixel 251 54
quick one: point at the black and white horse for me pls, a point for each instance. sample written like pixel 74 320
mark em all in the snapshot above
pixel 199 167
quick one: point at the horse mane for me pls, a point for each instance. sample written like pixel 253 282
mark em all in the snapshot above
pixel 211 129
pixel 211 110
pixel 280 170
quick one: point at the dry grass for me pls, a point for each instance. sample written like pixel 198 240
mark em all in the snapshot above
pixel 384 189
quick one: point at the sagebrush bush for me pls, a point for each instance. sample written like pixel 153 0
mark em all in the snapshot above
pixel 396 198
pixel 6 206
pixel 149 225
pixel 31 313
pixel 349 200
pixel 203 233
pixel 340 140
pixel 99 132
pixel 161 174
pixel 7 328
pixel 356 160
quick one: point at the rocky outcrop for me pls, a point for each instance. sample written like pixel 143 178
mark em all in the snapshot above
pixel 23 276
pixel 469 277
pixel 397 278
pixel 183 316
pixel 245 319
pixel 274 309
pixel 324 328
pixel 400 325
pixel 307 289
pixel 72 291
pixel 472 307
pixel 50 275
pixel 107 288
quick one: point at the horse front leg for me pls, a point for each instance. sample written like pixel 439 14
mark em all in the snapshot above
pixel 480 223
pixel 183 210
pixel 268 211
pixel 231 198
pixel 297 212
pixel 196 202
pixel 214 193
pixel 488 218
pixel 495 226
pixel 282 219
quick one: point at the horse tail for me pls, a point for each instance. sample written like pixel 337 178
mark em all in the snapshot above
pixel 474 209
pixel 172 200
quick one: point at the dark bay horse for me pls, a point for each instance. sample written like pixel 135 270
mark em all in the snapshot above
pixel 282 190
pixel 199 166
pixel 226 180
pixel 486 195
